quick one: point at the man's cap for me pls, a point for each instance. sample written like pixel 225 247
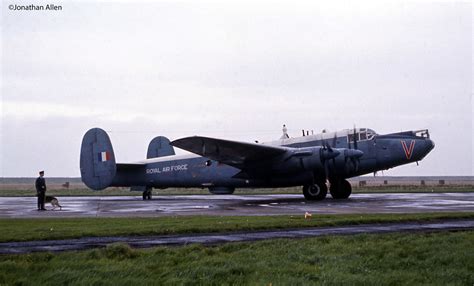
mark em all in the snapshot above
pixel 41 172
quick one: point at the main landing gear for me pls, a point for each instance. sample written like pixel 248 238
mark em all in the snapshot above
pixel 339 188
pixel 316 191
pixel 147 194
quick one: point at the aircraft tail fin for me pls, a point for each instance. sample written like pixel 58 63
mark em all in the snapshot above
pixel 159 147
pixel 97 161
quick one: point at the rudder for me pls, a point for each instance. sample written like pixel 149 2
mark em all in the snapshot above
pixel 97 162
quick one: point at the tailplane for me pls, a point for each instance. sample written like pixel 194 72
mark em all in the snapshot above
pixel 97 161
pixel 159 147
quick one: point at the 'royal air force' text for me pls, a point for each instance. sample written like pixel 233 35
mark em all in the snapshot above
pixel 165 169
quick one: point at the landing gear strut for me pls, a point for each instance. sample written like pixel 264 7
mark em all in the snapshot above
pixel 340 189
pixel 147 194
pixel 316 191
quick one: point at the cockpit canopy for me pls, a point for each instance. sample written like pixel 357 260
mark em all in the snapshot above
pixel 361 134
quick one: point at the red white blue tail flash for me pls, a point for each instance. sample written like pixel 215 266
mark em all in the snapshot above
pixel 104 156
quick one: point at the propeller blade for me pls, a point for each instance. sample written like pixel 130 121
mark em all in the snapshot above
pixel 326 153
pixel 354 156
pixel 329 148
pixel 355 138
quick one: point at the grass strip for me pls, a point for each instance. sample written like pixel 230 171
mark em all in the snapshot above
pixel 372 259
pixel 62 228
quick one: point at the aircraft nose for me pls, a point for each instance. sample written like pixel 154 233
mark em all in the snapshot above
pixel 430 144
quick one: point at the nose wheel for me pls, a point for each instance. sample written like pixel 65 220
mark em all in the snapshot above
pixel 316 191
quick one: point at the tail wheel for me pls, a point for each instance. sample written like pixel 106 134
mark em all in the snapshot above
pixel 315 192
pixel 340 189
pixel 147 194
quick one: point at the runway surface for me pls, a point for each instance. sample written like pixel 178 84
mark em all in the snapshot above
pixel 151 241
pixel 25 207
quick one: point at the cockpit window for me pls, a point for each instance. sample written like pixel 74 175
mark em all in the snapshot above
pixel 363 134
pixel 370 134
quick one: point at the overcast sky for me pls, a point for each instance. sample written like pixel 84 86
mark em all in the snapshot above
pixel 237 70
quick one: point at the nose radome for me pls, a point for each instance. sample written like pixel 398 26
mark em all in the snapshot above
pixel 430 144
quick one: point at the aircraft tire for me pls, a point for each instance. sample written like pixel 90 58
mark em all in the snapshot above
pixel 147 195
pixel 315 192
pixel 340 189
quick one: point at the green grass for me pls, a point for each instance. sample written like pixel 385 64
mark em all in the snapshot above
pixel 383 259
pixel 22 192
pixel 60 228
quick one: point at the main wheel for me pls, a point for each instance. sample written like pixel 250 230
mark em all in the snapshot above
pixel 340 189
pixel 315 192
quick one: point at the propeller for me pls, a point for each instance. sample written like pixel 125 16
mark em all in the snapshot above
pixel 326 153
pixel 355 138
pixel 353 154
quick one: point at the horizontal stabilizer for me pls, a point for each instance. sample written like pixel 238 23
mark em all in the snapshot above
pixel 159 147
pixel 130 166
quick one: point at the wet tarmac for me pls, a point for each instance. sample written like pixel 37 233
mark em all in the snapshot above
pixel 167 240
pixel 126 206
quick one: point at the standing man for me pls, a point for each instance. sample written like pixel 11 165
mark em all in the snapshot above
pixel 41 190
pixel 285 133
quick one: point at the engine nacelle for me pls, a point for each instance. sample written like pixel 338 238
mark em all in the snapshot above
pixel 221 190
pixel 304 159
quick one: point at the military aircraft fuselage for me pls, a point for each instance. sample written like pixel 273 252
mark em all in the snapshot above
pixel 222 165
pixel 380 152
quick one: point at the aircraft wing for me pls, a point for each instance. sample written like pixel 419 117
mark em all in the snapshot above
pixel 234 153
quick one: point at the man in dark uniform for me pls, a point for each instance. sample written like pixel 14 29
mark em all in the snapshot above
pixel 41 190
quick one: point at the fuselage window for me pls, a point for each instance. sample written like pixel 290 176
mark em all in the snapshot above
pixel 350 138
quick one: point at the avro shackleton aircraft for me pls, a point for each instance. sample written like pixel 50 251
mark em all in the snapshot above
pixel 222 165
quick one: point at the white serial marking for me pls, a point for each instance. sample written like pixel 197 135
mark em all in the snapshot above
pixel 165 169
